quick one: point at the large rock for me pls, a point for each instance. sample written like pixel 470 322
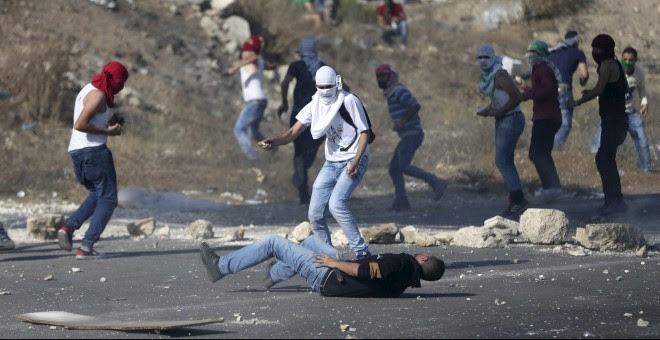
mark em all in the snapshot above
pixel 610 236
pixel 544 226
pixel 162 232
pixel 445 236
pixel 408 234
pixel 381 234
pixel 302 231
pixel 143 227
pixel 237 29
pixel 480 237
pixel 44 227
pixel 201 229
pixel 339 238
pixel 424 240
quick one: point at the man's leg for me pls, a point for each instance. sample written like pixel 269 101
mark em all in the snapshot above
pixel 613 134
pixel 402 29
pixel 243 123
pixel 104 178
pixel 396 172
pixel 5 242
pixel 283 271
pixel 87 207
pixel 339 206
pixel 299 258
pixel 256 120
pixel 638 134
pixel 507 133
pixel 318 203
pixel 540 152
pixel 566 105
pixel 407 153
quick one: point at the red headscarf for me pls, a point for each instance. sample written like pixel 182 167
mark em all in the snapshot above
pixel 111 80
pixel 253 44
pixel 392 82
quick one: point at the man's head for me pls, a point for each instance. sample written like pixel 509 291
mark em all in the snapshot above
pixel 628 60
pixel 383 75
pixel 537 51
pixel 486 57
pixel 573 37
pixel 326 84
pixel 308 47
pixel 432 267
pixel 389 4
pixel 253 44
pixel 602 48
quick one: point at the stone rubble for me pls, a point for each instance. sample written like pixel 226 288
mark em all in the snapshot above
pixel 44 226
pixel 201 229
pixel 480 237
pixel 408 234
pixel 143 227
pixel 544 226
pixel 302 231
pixel 381 234
pixel 610 237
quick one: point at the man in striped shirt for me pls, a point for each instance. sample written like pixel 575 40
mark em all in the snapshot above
pixel 404 110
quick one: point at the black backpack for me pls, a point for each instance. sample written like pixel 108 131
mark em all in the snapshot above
pixel 343 112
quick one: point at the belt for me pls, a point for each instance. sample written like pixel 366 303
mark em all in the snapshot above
pixel 511 114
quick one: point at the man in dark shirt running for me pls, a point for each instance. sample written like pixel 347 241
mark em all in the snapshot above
pixel 385 275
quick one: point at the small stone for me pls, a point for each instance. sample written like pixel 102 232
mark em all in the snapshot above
pixel 515 261
pixel 344 327
pixel 419 298
pixel 541 277
pixel 302 231
pixel 76 270
pixel 143 227
pixel 201 229
pixel 239 318
pixel 610 237
pixel 102 279
pixel 642 252
pixel 577 252
pixel 44 227
pixel 339 238
pixel 627 315
pixel 53 327
pixel 606 271
pixel 352 329
pixel 237 234
pixel 49 277
pixel 642 323
pixel 619 278
pixel 5 292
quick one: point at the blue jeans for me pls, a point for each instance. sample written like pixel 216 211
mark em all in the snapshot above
pixel 638 135
pixel 507 132
pixel 401 164
pixel 247 126
pixel 3 233
pixel 566 106
pixel 293 258
pixel 331 191
pixel 401 29
pixel 95 169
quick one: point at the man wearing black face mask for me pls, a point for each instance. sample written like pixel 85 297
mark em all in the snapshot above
pixel 611 90
pixel 637 108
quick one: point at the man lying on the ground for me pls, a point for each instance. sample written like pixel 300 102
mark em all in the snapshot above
pixel 385 275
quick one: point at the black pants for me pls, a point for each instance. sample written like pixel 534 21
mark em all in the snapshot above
pixel 305 149
pixel 540 151
pixel 613 135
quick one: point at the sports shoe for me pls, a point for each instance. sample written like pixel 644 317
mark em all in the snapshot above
pixel 210 260
pixel 439 186
pixel 84 253
pixel 64 238
pixel 514 210
pixel 268 280
pixel 6 244
pixel 614 208
pixel 400 204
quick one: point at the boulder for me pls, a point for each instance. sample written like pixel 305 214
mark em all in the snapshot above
pixel 284 232
pixel 610 236
pixel 302 231
pixel 445 237
pixel 217 6
pixel 544 226
pixel 381 234
pixel 143 227
pixel 339 238
pixel 162 232
pixel 237 29
pixel 44 227
pixel 201 229
pixel 500 222
pixel 424 240
pixel 480 237
pixel 407 234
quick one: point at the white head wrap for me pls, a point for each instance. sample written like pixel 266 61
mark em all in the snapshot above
pixel 325 103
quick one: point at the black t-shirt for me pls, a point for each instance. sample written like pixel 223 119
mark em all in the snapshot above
pixel 305 85
pixel 385 275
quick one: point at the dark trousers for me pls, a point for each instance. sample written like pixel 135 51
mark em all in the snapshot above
pixel 305 149
pixel 540 151
pixel 613 134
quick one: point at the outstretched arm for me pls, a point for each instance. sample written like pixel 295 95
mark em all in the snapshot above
pixel 287 137
pixel 607 68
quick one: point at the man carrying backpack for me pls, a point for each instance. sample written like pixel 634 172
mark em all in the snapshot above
pixel 341 118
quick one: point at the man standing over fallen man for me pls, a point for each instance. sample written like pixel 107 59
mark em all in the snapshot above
pixel 385 275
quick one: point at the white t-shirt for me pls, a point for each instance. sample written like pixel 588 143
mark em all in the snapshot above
pixel 340 133
pixel 252 82
pixel 81 139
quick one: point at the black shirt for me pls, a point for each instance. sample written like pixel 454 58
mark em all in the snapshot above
pixel 612 102
pixel 385 275
pixel 305 86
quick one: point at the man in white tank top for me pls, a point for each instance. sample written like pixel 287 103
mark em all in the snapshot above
pixel 93 122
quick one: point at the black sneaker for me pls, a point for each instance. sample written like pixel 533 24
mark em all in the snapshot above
pixel 614 208
pixel 268 280
pixel 6 244
pixel 514 210
pixel 65 238
pixel 400 204
pixel 439 186
pixel 210 260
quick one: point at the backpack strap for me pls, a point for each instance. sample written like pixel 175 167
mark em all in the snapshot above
pixel 343 112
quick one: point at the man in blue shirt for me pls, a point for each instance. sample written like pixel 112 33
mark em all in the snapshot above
pixel 568 58
pixel 404 110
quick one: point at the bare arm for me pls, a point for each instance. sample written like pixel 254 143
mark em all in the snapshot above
pixel 352 168
pixel 413 110
pixel 247 58
pixel 284 89
pixel 641 90
pixel 608 69
pixel 382 24
pixel 350 268
pixel 584 73
pixel 504 82
pixel 287 137
pixel 94 102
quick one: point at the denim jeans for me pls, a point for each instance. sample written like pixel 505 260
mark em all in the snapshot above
pixel 247 126
pixel 401 29
pixel 293 258
pixel 401 164
pixel 331 191
pixel 3 233
pixel 613 134
pixel 540 151
pixel 566 106
pixel 507 132
pixel 94 169
pixel 638 134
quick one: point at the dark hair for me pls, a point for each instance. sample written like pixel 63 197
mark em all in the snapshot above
pixel 570 34
pixel 631 51
pixel 433 269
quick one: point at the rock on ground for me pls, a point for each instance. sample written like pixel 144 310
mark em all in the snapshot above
pixel 610 237
pixel 284 232
pixel 302 231
pixel 144 227
pixel 339 238
pixel 500 222
pixel 201 229
pixel 445 237
pixel 237 234
pixel 44 227
pixel 162 232
pixel 544 226
pixel 480 237
pixel 408 234
pixel 424 240
pixel 381 234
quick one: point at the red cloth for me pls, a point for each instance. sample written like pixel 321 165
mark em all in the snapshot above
pixel 544 93
pixel 382 10
pixel 111 80
pixel 253 44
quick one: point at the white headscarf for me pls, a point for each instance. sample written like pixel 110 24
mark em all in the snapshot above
pixel 325 103
pixel 488 69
